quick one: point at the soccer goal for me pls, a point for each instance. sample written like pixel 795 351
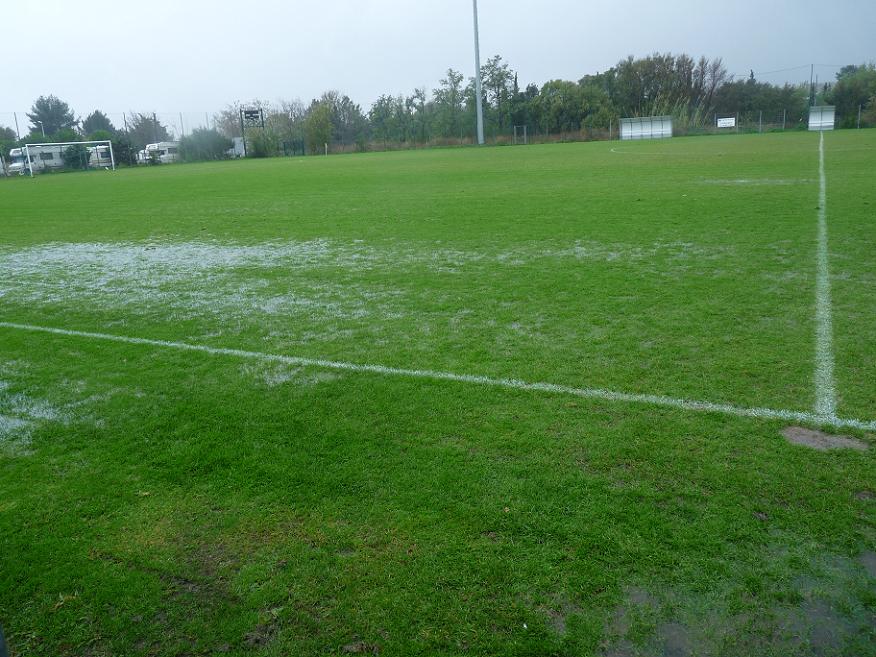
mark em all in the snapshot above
pixel 521 135
pixel 62 156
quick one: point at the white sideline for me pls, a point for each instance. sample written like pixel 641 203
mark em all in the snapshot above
pixel 589 393
pixel 825 389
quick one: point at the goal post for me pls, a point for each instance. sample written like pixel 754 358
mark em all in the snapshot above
pixel 521 135
pixel 51 156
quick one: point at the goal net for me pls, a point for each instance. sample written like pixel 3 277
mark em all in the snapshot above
pixel 32 159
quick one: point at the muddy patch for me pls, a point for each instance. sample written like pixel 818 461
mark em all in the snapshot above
pixel 360 648
pixel 559 613
pixel 819 609
pixel 868 561
pixel 821 441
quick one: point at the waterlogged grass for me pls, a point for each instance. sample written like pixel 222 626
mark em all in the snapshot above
pixel 162 502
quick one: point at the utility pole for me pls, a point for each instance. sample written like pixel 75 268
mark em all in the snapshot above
pixel 478 84
pixel 812 86
pixel 17 131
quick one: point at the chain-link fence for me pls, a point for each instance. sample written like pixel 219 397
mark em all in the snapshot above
pixel 153 137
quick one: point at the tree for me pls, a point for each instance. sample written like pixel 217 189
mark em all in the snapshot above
pixel 449 107
pixel 497 79
pixel 146 129
pixel 76 156
pixel 7 140
pixel 95 121
pixel 318 126
pixel 382 118
pixel 65 134
pixel 204 144
pixel 50 114
pixel 100 135
pixel 561 106
pixel 227 122
pixel 854 88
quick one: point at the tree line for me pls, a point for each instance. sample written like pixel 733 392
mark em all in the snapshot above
pixel 692 91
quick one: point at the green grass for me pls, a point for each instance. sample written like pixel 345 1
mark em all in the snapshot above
pixel 163 502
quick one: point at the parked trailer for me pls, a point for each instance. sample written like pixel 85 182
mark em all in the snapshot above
pixel 164 152
pixel 42 159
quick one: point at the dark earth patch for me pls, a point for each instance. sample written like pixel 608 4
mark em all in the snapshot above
pixel 360 648
pixel 820 440
pixel 868 560
pixel 559 613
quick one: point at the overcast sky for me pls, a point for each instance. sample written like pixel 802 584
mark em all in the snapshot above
pixel 196 56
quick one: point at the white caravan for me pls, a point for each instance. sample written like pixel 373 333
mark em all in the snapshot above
pixel 164 152
pixel 42 159
pixel 100 156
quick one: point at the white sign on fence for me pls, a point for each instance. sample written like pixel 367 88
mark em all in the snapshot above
pixel 727 123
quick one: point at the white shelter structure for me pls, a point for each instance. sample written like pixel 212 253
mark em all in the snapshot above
pixel 822 118
pixel 646 127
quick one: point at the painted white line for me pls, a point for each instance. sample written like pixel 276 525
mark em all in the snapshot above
pixel 825 389
pixel 588 393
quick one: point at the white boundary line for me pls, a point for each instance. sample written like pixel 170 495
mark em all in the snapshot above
pixel 825 389
pixel 588 393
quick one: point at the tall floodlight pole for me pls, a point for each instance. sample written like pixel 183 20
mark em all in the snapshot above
pixel 478 85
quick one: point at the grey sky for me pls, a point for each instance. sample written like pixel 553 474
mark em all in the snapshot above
pixel 195 56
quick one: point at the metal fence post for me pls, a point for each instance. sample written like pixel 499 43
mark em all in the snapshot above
pixel 860 109
pixel 760 122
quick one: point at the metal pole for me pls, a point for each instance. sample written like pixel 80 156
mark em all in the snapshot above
pixel 242 131
pixel 155 126
pixel 27 157
pixel 812 86
pixel 478 83
pixel 182 127
pixel 860 108
pixel 112 155
pixel 17 131
pixel 760 121
pixel 784 118
pixel 525 136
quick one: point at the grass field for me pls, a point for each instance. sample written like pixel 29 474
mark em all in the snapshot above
pixel 510 401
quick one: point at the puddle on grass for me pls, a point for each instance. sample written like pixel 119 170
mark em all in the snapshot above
pixel 758 182
pixel 821 611
pixel 20 415
pixel 274 375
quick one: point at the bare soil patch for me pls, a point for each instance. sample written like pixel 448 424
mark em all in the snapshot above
pixel 821 441
pixel 868 560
